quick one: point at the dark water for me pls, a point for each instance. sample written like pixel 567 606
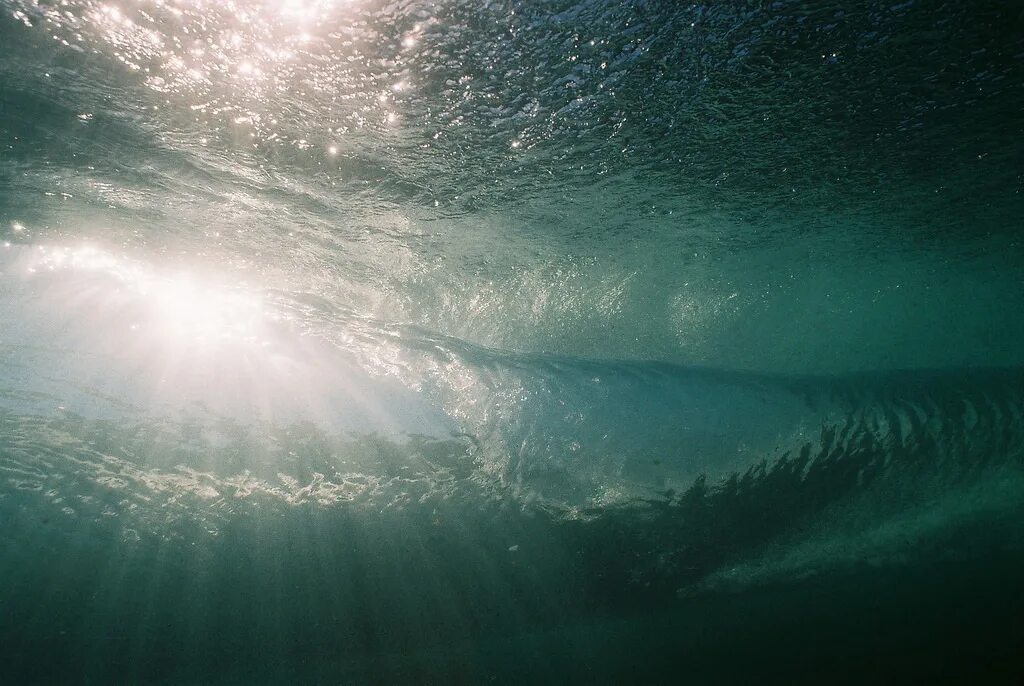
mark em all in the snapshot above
pixel 511 342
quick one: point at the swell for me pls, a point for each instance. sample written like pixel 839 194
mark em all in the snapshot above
pixel 594 432
pixel 400 552
pixel 942 448
pixel 870 450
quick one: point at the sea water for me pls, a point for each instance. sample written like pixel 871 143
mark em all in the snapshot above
pixel 353 341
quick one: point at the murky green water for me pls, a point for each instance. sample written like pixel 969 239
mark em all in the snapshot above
pixel 511 342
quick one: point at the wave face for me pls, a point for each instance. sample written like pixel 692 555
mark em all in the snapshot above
pixel 558 342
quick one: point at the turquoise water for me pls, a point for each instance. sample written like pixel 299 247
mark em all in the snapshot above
pixel 511 342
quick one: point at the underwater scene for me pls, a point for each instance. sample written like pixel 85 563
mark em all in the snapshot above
pixel 511 342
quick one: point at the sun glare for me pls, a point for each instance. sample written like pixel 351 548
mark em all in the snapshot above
pixel 178 304
pixel 158 336
pixel 187 306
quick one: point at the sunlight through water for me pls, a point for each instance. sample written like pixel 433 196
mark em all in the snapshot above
pixel 511 342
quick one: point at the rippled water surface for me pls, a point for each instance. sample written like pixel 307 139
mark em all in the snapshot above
pixel 350 341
